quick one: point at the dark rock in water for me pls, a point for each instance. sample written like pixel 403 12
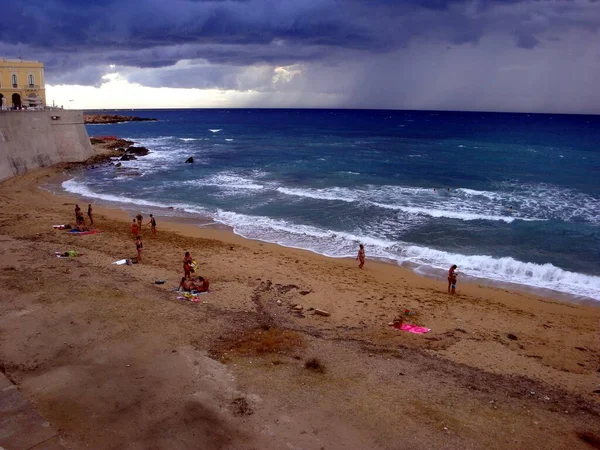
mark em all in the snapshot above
pixel 139 151
pixel 127 158
pixel 118 165
pixel 190 160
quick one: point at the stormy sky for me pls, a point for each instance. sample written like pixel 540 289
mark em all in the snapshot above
pixel 490 55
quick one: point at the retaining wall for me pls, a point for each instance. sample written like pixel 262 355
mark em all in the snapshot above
pixel 33 139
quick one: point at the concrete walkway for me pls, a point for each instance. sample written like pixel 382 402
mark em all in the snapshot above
pixel 21 427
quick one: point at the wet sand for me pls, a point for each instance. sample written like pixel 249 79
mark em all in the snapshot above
pixel 114 360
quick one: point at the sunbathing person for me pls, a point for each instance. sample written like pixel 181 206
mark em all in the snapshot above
pixel 201 285
pixel 183 285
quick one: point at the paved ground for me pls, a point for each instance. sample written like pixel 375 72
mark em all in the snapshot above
pixel 21 427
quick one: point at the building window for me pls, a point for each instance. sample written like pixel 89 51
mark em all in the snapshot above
pixel 31 81
pixel 14 80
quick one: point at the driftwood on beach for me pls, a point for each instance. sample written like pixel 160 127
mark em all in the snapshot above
pixel 113 118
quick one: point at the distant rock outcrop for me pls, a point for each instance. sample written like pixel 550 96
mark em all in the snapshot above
pixel 113 118
pixel 139 151
pixel 190 160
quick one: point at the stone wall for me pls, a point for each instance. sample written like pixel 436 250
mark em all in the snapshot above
pixel 33 139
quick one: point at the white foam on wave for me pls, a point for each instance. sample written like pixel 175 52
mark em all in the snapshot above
pixel 229 140
pixel 447 214
pixel 189 139
pixel 321 194
pixel 507 270
pixel 215 130
pixel 226 180
pixel 79 188
pixel 343 244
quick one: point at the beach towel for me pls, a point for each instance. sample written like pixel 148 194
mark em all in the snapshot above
pixel 120 262
pixel 61 227
pixel 412 328
pixel 81 233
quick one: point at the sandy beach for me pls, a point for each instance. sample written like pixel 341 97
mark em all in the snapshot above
pixel 115 361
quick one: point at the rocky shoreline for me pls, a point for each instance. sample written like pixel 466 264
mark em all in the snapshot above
pixel 91 119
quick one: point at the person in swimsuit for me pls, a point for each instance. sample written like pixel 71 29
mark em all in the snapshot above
pixel 134 228
pixel 90 214
pixel 183 286
pixel 361 256
pixel 201 285
pixel 139 218
pixel 139 246
pixel 77 209
pixel 187 266
pixel 152 224
pixel 452 279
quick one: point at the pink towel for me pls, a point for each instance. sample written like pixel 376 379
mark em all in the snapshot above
pixel 413 328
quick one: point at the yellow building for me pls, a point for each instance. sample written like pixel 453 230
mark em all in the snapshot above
pixel 22 84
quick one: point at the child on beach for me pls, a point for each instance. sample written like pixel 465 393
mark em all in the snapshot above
pixel 134 228
pixel 139 246
pixel 361 256
pixel 452 279
pixel 187 266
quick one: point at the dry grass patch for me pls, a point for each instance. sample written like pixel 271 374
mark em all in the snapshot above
pixel 315 365
pixel 262 342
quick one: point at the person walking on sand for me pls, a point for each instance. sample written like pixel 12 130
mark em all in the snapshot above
pixel 139 246
pixel 452 279
pixel 152 224
pixel 361 256
pixel 90 214
pixel 134 228
pixel 139 219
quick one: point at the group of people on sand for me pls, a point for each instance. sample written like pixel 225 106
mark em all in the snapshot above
pixel 188 282
pixel 80 219
pixel 136 226
pixel 136 230
pixel 452 273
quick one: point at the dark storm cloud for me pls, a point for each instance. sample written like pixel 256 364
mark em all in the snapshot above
pixel 226 44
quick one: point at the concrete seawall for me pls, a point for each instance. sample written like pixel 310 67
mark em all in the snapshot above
pixel 33 139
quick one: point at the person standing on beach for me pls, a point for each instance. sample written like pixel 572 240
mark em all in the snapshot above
pixel 90 214
pixel 361 256
pixel 152 224
pixel 139 246
pixel 452 279
pixel 139 218
pixel 187 266
pixel 134 228
pixel 77 210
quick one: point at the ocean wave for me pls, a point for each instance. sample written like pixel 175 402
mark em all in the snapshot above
pixel 189 139
pixel 75 187
pixel 439 213
pixel 225 181
pixel 344 244
pixel 215 130
pixel 507 270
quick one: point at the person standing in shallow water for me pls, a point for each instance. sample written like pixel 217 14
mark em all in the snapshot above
pixel 452 279
pixel 361 256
